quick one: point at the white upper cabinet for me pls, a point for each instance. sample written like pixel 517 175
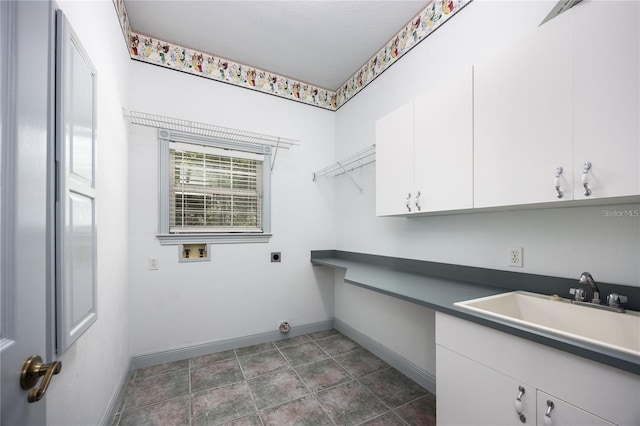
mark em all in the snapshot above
pixel 444 145
pixel 523 120
pixel 394 162
pixel 606 98
pixel 424 152
pixel 554 118
pixel 566 96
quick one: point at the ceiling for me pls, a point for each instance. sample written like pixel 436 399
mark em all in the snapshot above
pixel 318 42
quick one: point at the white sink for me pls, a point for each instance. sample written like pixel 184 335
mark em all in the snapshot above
pixel 618 331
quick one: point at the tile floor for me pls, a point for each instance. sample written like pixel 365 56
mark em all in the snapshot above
pixel 321 378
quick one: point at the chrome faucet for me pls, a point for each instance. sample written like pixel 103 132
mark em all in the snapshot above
pixel 586 278
pixel 614 300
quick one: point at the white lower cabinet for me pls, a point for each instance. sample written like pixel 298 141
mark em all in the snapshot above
pixel 480 373
pixel 469 393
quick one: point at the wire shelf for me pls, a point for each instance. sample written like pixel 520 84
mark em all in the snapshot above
pixel 210 130
pixel 354 161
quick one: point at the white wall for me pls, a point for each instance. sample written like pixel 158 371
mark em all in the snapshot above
pixel 557 242
pixel 93 367
pixel 239 292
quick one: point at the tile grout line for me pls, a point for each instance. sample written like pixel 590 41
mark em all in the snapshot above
pixel 289 367
pixel 310 392
pixel 351 376
pixel 411 401
pixel 253 400
pixel 314 394
pixel 124 408
pixel 315 397
pixel 246 382
pixel 331 357
pixel 357 379
pixel 389 407
pixel 296 373
pixel 404 405
pixel 376 397
pixel 155 403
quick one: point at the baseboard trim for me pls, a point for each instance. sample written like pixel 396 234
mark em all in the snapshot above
pixel 406 367
pixel 178 354
pixel 114 403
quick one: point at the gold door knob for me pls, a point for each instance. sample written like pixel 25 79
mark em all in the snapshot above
pixel 32 369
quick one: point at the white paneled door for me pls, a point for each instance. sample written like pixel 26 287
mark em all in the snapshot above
pixel 25 214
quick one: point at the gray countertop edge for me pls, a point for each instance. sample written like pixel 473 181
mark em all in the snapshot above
pixel 440 294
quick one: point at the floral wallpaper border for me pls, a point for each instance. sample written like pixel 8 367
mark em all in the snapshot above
pixel 164 53
pixel 431 17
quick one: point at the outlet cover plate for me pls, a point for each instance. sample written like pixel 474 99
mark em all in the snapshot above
pixel 515 257
pixel 153 263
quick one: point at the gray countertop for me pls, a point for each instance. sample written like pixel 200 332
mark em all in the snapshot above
pixel 440 293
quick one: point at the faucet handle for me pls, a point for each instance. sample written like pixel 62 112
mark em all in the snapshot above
pixel 578 294
pixel 616 300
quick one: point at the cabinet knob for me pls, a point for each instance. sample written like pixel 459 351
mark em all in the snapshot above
pixel 523 419
pixel 418 206
pixel 408 202
pixel 556 182
pixel 585 178
pixel 547 415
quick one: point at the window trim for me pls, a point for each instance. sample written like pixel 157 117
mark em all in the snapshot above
pixel 164 137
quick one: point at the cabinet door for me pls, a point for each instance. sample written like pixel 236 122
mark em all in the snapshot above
pixel 444 145
pixel 394 161
pixel 523 119
pixel 606 97
pixel 563 413
pixel 470 393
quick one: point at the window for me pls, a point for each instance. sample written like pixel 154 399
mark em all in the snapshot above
pixel 212 191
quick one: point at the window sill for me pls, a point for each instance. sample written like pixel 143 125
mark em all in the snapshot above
pixel 176 239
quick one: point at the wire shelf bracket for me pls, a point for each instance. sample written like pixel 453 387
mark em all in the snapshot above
pixel 347 164
pixel 210 130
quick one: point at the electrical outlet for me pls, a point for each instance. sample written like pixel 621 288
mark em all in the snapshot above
pixel 515 257
pixel 153 263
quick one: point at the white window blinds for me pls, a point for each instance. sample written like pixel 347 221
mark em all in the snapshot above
pixel 214 190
